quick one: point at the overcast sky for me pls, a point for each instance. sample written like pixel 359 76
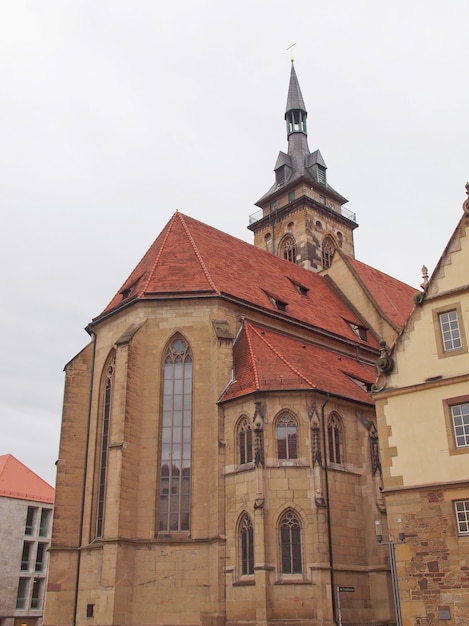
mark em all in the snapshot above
pixel 115 114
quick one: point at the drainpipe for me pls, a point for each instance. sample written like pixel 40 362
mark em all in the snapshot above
pixel 328 511
pixel 85 467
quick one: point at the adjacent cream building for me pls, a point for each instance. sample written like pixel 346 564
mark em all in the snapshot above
pixel 423 424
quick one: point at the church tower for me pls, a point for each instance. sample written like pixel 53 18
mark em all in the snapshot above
pixel 302 218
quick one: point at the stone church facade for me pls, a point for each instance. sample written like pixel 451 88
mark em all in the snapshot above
pixel 219 460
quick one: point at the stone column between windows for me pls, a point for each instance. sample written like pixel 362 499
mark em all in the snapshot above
pixel 261 567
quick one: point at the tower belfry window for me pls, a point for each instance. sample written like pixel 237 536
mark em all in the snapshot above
pixel 289 249
pixel 296 122
pixel 328 249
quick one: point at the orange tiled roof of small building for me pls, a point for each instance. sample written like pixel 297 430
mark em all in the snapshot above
pixel 392 296
pixel 190 258
pixel 265 360
pixel 18 481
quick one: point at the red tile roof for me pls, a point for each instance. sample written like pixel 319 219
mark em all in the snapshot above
pixel 18 481
pixel 393 297
pixel 265 360
pixel 192 259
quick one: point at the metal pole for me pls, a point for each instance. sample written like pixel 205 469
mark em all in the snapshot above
pixel 338 606
pixel 395 585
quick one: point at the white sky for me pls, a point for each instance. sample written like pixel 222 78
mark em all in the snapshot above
pixel 114 114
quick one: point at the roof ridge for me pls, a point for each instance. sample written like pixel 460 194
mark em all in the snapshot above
pixel 197 253
pixel 158 256
pixel 251 354
pixel 282 358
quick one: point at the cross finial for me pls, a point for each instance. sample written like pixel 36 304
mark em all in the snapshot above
pixel 291 48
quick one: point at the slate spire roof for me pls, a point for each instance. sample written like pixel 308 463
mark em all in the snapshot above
pixel 299 163
pixel 193 260
pixel 294 98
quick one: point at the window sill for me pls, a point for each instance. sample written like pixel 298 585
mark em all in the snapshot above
pixel 245 582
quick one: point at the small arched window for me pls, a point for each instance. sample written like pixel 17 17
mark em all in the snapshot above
pixel 334 439
pixel 287 447
pixel 289 249
pixel 245 441
pixel 290 543
pixel 246 543
pixel 106 404
pixel 328 249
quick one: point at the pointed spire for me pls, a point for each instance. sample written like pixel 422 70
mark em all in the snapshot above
pixel 295 99
pixel 296 113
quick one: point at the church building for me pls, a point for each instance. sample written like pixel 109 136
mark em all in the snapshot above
pixel 219 459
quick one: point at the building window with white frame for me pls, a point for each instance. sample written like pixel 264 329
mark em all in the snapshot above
pixel 462 516
pixel 460 419
pixel 450 331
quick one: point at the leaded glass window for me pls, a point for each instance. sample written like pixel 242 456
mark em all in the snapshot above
pixel 104 447
pixel 290 543
pixel 245 441
pixel 334 439
pixel 287 438
pixel 175 449
pixel 247 545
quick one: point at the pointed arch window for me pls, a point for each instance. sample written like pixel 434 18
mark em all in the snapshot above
pixel 289 249
pixel 175 447
pixel 106 407
pixel 290 543
pixel 246 542
pixel 287 447
pixel 334 439
pixel 328 249
pixel 245 441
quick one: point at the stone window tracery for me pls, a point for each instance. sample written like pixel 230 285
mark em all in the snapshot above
pixel 246 542
pixel 287 445
pixel 290 543
pixel 175 445
pixel 106 407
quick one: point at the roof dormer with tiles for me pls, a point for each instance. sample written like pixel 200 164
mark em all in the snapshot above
pixel 302 218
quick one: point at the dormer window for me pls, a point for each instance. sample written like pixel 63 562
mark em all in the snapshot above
pixel 366 386
pixel 278 303
pixel 360 331
pixel 280 176
pixel 301 289
pixel 321 174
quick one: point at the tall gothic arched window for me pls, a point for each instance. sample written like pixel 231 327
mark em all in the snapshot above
pixel 246 543
pixel 175 448
pixel 328 249
pixel 290 543
pixel 289 249
pixel 334 439
pixel 287 447
pixel 245 441
pixel 106 405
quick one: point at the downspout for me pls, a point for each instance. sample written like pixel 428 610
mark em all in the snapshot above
pixel 85 467
pixel 328 511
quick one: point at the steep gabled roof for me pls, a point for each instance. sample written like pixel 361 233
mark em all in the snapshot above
pixel 265 360
pixel 391 296
pixel 18 481
pixel 191 259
